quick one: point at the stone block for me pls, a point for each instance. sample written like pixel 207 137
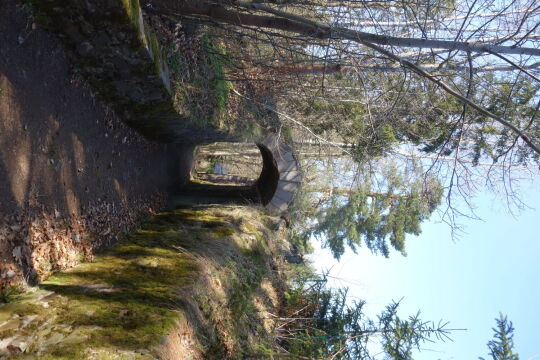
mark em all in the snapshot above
pixel 283 156
pixel 287 186
pixel 284 195
pixel 292 176
pixel 286 166
pixel 277 206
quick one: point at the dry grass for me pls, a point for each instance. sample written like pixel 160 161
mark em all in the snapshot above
pixel 199 282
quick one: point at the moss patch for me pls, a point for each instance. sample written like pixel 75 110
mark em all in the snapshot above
pixel 200 90
pixel 217 53
pixel 133 11
pixel 223 231
pixel 125 300
pixel 122 305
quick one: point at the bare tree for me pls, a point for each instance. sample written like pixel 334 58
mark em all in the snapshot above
pixel 453 85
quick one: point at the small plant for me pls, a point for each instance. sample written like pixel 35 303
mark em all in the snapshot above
pixel 42 19
pixel 217 57
pixel 39 17
pixel 10 293
pixel 175 63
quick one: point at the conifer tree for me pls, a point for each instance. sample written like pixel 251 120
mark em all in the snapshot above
pixel 502 345
pixel 327 325
pixel 380 211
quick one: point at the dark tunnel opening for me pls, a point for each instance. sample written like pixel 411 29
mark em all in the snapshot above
pixel 267 182
pixel 227 186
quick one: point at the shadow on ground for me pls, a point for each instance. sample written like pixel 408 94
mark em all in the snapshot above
pixel 62 150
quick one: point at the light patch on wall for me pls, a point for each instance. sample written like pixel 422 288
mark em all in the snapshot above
pixel 78 154
pixel 18 168
pixel 120 191
pixel 15 155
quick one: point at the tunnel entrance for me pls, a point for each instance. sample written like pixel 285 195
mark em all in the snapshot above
pixel 264 173
pixel 228 163
pixel 267 182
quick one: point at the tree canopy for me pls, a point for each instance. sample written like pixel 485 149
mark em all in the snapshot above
pixel 380 211
pixel 327 325
pixel 502 345
pixel 452 86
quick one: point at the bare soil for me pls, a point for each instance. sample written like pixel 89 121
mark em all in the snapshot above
pixel 72 175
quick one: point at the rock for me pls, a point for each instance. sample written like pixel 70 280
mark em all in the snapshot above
pixel 84 48
pixel 294 259
pixel 17 253
pixel 90 7
pixel 10 324
pixel 43 294
pixel 4 343
pixel 164 340
pixel 10 274
pixel 26 320
pixel 14 350
pixel 86 28
pixel 101 40
pixel 17 347
pixel 54 339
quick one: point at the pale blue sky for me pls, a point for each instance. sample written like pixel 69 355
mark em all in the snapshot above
pixel 493 268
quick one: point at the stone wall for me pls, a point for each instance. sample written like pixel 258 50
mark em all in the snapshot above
pixel 121 59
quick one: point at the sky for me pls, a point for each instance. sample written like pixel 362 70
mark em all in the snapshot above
pixel 493 267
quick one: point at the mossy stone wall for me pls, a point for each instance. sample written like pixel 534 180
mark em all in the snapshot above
pixel 121 58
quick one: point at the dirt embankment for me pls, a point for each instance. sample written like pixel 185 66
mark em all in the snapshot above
pixel 198 283
pixel 72 175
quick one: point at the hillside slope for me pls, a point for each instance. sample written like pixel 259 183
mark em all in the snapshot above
pixel 189 284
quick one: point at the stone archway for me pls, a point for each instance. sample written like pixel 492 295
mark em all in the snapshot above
pixel 280 176
pixel 275 186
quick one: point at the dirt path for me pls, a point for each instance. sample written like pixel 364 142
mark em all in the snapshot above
pixel 69 169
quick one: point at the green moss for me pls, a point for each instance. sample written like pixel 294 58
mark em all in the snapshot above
pixel 155 49
pixel 201 182
pixel 133 10
pixel 221 87
pixel 10 293
pixel 122 304
pixel 181 219
pixel 222 231
pixel 153 44
pixel 22 306
pixel 252 230
pixel 127 299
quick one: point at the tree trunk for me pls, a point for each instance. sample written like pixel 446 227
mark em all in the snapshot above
pixel 219 12
pixel 304 26
pixel 329 31
pixel 297 24
pixel 307 69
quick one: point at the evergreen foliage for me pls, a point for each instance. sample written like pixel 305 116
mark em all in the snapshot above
pixel 329 326
pixel 502 345
pixel 380 212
